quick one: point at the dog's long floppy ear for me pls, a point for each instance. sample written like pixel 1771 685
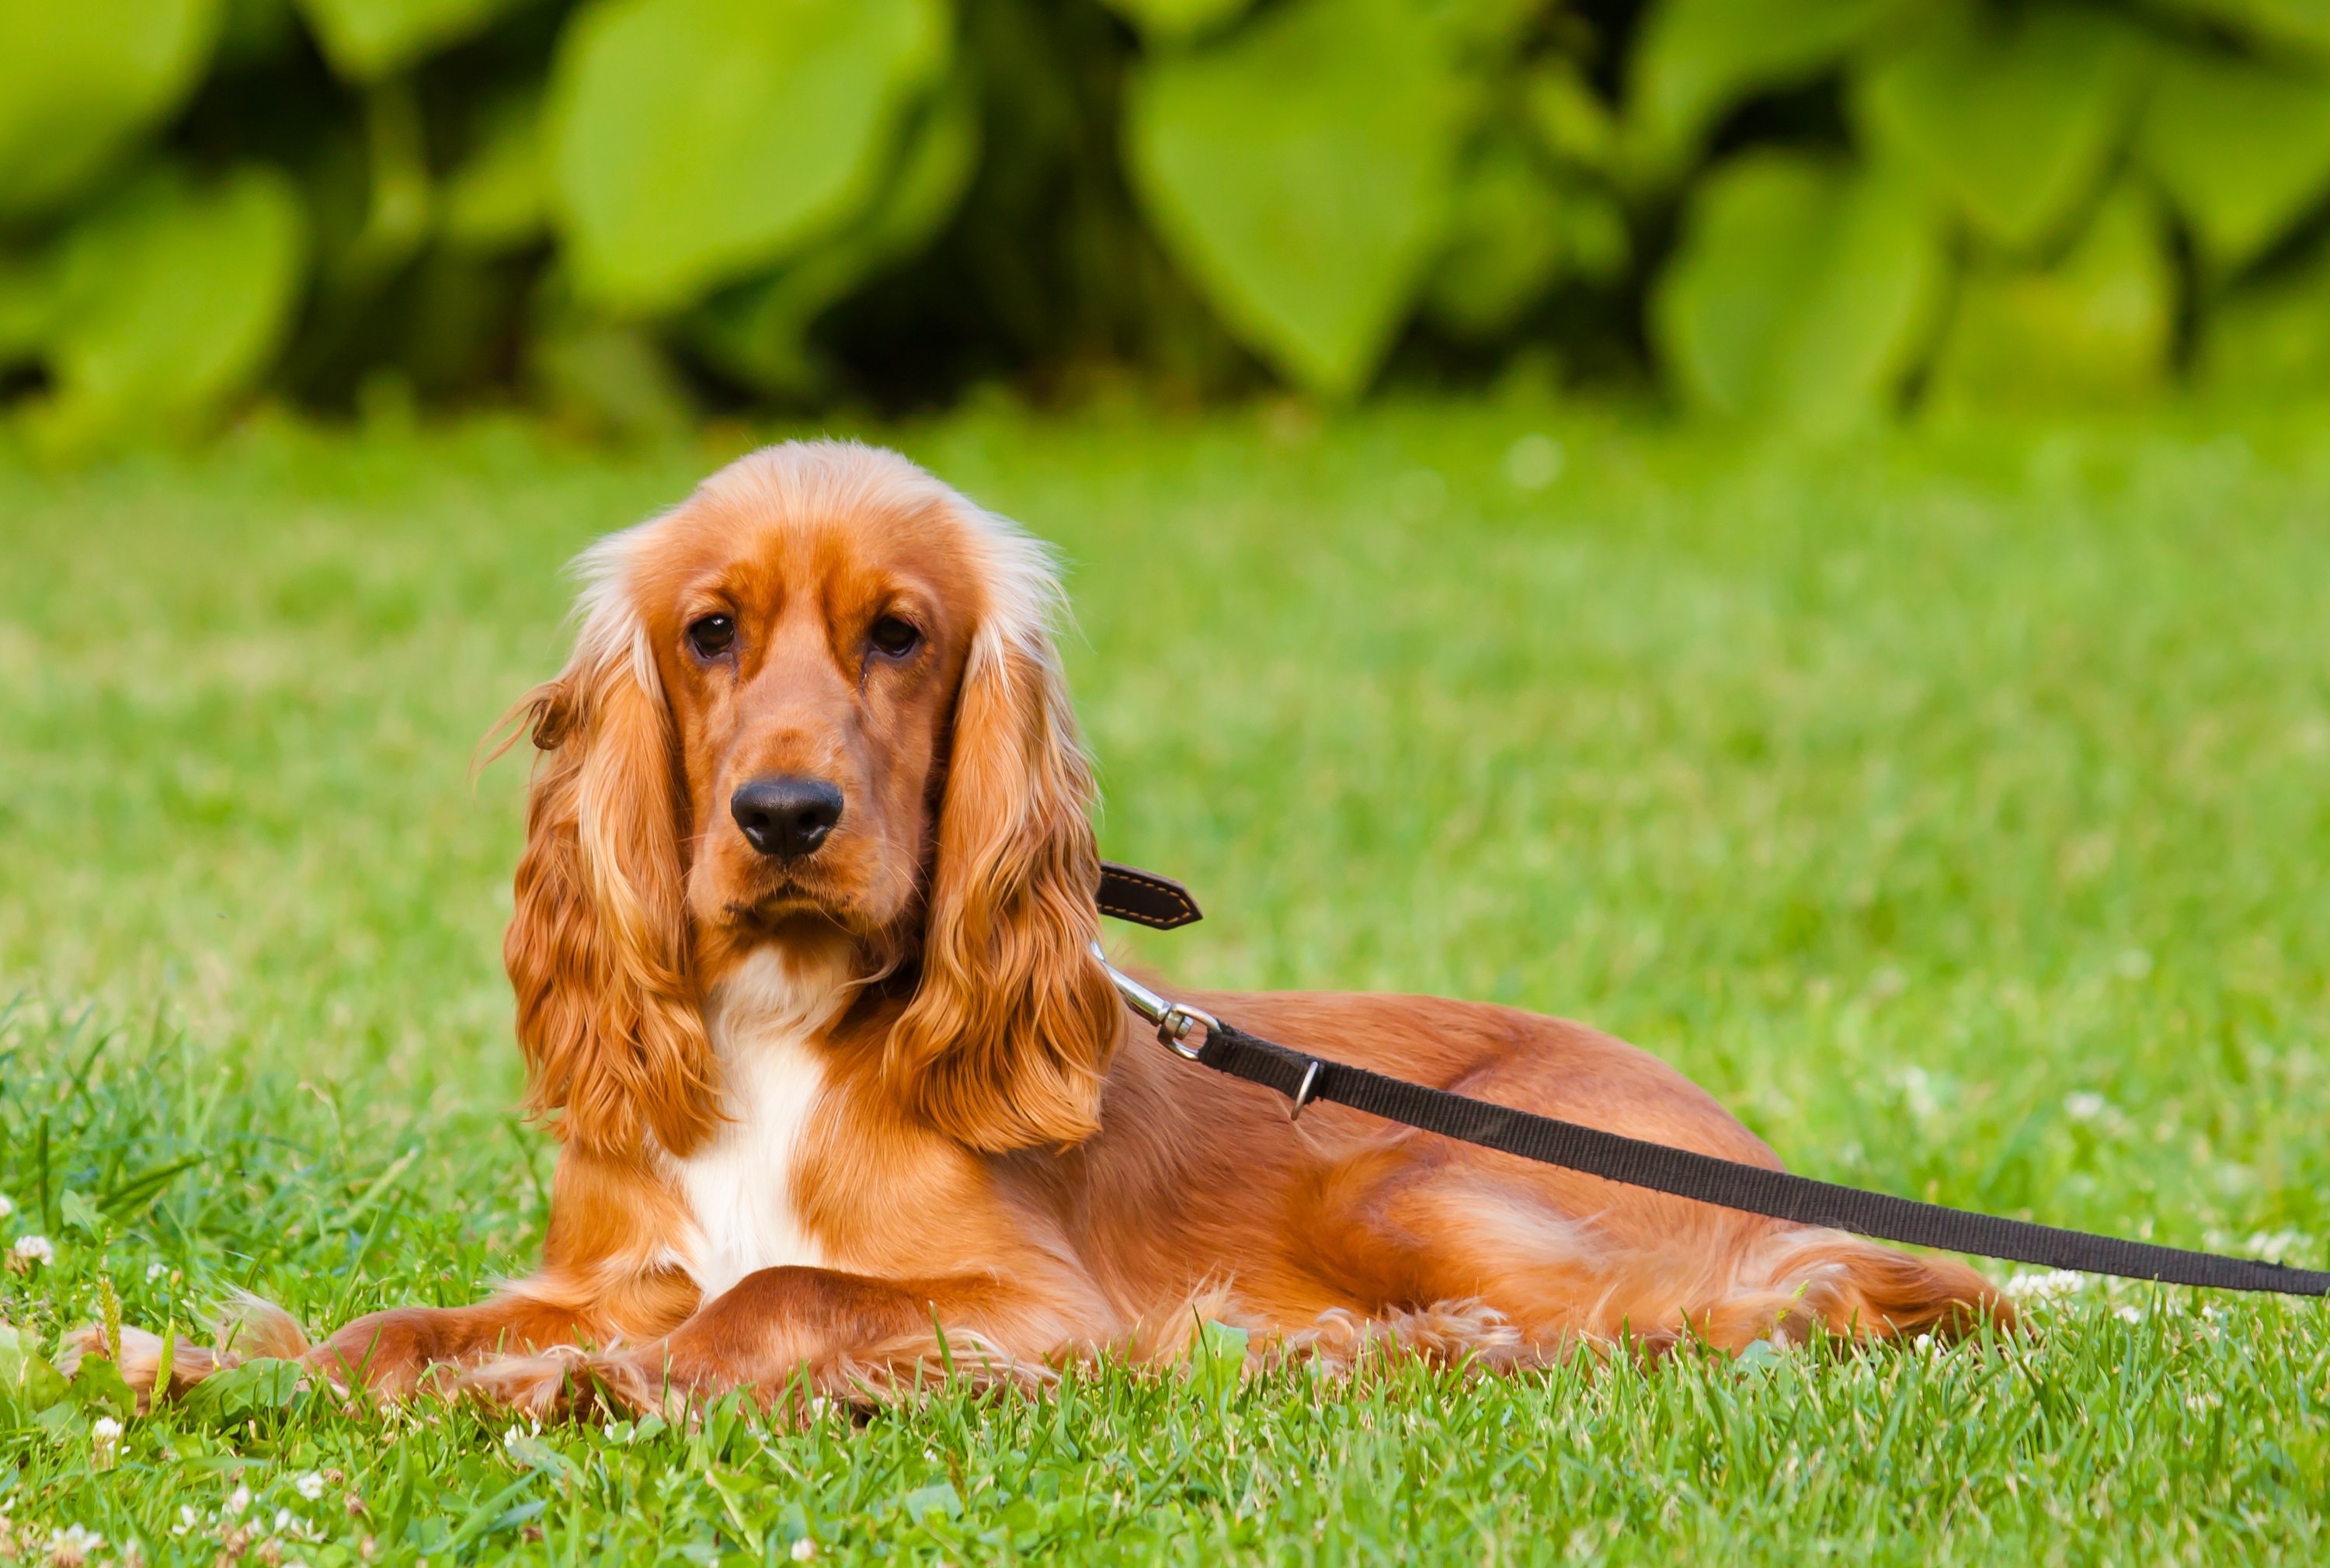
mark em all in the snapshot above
pixel 598 949
pixel 1007 1037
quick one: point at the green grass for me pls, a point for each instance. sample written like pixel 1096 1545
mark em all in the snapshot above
pixel 1952 806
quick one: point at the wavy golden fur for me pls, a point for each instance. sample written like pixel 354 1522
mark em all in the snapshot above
pixel 801 954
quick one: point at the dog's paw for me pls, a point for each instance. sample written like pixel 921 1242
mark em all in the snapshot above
pixel 540 1387
pixel 140 1360
pixel 561 1382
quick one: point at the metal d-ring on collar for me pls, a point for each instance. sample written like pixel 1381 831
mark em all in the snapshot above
pixel 1303 1092
pixel 1172 1018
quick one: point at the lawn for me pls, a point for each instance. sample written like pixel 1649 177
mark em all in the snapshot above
pixel 1953 805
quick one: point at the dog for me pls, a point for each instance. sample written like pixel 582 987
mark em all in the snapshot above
pixel 806 985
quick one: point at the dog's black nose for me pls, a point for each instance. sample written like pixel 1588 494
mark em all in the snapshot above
pixel 787 818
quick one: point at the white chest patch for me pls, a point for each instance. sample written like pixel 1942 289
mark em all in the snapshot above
pixel 764 1020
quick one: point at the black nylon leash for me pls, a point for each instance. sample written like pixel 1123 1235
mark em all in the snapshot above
pixel 1306 1079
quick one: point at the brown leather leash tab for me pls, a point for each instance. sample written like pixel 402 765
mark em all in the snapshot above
pixel 1145 898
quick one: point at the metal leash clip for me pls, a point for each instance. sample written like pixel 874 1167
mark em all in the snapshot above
pixel 1172 1018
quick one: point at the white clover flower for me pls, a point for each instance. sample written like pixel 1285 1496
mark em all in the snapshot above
pixel 104 1436
pixel 1918 1092
pixel 804 1549
pixel 35 1250
pixel 155 1271
pixel 6 1208
pixel 282 1520
pixel 2085 1105
pixel 2130 1314
pixel 310 1486
pixel 73 1545
pixel 2045 1287
pixel 237 1501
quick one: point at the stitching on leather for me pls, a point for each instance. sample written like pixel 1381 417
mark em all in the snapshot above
pixel 1184 907
pixel 1140 878
pixel 1145 917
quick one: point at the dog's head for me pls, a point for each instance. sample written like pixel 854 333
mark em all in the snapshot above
pixel 816 708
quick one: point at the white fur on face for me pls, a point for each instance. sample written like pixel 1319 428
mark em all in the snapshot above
pixel 741 1183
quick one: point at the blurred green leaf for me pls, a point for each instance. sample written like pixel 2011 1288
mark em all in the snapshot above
pixel 2300 22
pixel 759 332
pixel 1298 169
pixel 2094 328
pixel 1570 119
pixel 99 1389
pixel 940 154
pixel 938 1497
pixel 2243 149
pixel 29 297
pixel 2013 116
pixel 609 378
pixel 1489 29
pixel 366 39
pixel 79 1213
pixel 79 81
pixel 696 140
pixel 1696 58
pixel 1513 230
pixel 172 298
pixel 252 31
pixel 1594 233
pixel 1169 19
pixel 2271 337
pixel 1802 292
pixel 399 200
pixel 1504 245
pixel 254 1388
pixel 26 1378
pixel 499 197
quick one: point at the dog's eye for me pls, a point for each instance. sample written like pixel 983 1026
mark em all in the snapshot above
pixel 893 637
pixel 711 636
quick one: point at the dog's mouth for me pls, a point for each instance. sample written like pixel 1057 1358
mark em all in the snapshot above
pixel 785 921
pixel 783 903
pixel 774 898
pixel 785 900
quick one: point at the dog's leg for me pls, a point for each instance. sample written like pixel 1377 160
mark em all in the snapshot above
pixel 779 1332
pixel 1851 1288
pixel 249 1328
pixel 391 1353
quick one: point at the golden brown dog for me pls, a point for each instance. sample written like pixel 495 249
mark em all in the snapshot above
pixel 801 955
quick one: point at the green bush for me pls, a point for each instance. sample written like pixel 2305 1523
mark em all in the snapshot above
pixel 1809 211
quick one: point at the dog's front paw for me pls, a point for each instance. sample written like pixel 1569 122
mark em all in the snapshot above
pixel 567 1384
pixel 140 1360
